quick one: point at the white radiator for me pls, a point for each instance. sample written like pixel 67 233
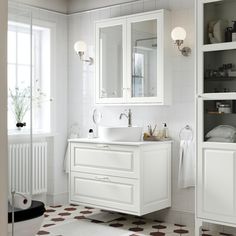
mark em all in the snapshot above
pixel 25 173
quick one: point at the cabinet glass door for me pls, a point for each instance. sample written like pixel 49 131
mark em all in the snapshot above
pixel 110 68
pixel 144 46
pixel 219 123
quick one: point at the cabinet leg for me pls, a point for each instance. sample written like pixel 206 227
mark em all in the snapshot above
pixel 198 227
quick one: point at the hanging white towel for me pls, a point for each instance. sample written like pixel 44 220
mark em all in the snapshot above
pixel 186 164
pixel 66 164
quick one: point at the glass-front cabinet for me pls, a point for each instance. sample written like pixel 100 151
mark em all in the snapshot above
pixel 132 59
pixel 216 70
pixel 216 113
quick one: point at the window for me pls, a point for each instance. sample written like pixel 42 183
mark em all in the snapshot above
pixel 20 67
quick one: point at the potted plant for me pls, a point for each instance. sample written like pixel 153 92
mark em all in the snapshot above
pixel 20 104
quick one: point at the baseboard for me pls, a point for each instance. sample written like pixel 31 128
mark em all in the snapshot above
pixel 173 216
pixel 57 199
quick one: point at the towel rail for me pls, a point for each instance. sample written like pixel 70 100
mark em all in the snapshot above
pixel 186 128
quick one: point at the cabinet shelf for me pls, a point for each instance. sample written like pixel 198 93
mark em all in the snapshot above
pixel 219 47
pixel 219 113
pixel 218 96
pixel 220 79
pixel 206 144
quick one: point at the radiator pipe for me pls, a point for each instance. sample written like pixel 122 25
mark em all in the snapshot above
pixel 13 192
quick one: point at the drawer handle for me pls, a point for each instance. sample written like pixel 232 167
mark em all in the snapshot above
pixel 102 146
pixel 107 179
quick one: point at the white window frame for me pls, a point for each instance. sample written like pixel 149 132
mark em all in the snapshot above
pixel 52 27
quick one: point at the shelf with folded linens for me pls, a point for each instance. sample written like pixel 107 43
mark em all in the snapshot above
pixel 221 133
pixel 219 118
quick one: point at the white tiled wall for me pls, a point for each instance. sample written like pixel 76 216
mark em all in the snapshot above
pixel 82 77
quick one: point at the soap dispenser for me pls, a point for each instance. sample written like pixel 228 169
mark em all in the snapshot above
pixel 165 131
pixel 90 133
pixel 234 32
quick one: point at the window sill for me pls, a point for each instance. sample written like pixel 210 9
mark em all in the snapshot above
pixel 25 134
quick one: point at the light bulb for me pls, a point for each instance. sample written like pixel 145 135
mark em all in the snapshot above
pixel 178 33
pixel 80 46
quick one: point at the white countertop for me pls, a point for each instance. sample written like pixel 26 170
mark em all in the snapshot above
pixel 97 140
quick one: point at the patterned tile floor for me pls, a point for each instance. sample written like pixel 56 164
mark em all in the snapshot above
pixel 217 230
pixel 55 216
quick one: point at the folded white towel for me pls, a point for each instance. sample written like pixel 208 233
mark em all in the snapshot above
pixel 21 201
pixel 222 140
pixel 223 131
pixel 186 176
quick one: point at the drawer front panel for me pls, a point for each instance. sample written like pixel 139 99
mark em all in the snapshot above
pixel 104 191
pixel 108 160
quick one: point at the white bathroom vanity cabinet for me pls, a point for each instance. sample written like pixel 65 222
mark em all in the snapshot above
pixel 128 177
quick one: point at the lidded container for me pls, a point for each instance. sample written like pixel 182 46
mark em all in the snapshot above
pixel 224 108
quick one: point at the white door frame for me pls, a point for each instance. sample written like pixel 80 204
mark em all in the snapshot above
pixel 3 118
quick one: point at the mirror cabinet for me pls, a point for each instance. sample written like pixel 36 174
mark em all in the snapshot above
pixel 132 59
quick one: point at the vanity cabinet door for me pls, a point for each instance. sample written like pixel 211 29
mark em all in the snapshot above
pixel 145 59
pixel 217 184
pixel 110 61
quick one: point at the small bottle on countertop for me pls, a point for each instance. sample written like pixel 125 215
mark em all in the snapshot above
pixel 228 34
pixel 234 32
pixel 165 131
pixel 90 133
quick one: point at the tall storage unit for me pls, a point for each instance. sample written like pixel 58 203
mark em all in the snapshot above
pixel 216 105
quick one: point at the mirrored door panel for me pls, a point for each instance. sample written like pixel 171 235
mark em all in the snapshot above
pixel 111 61
pixel 144 58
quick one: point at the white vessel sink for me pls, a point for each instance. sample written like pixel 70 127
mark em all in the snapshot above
pixel 128 134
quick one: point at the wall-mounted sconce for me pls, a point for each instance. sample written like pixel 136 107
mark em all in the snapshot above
pixel 81 47
pixel 178 34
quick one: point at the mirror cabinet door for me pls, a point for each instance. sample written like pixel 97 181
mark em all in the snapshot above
pixel 144 58
pixel 111 62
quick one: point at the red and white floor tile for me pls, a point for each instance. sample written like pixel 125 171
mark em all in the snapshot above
pixel 74 220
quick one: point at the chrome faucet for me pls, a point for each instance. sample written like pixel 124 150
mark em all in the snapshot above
pixel 128 116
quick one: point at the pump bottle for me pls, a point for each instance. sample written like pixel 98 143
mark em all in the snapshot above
pixel 165 131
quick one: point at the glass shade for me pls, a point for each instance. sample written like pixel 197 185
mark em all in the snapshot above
pixel 80 46
pixel 178 33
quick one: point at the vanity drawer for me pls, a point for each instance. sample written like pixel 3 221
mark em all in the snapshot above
pixel 103 159
pixel 104 191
